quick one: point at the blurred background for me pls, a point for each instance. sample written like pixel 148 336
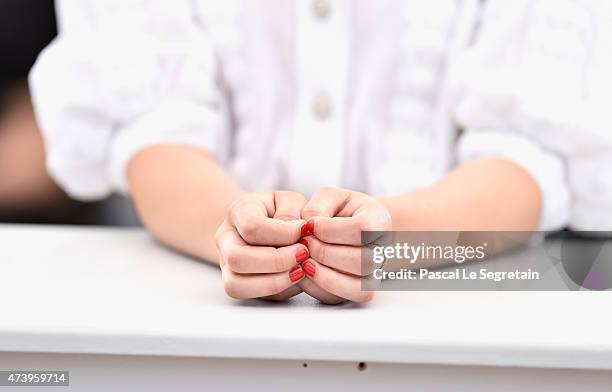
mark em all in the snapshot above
pixel 27 194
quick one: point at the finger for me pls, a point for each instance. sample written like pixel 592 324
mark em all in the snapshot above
pixel 337 283
pixel 247 259
pixel 311 288
pixel 222 241
pixel 348 230
pixel 250 218
pixel 288 205
pixel 285 295
pixel 326 202
pixel 339 216
pixel 343 258
pixel 242 286
pixel 337 230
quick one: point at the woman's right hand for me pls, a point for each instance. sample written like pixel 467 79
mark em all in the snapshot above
pixel 257 244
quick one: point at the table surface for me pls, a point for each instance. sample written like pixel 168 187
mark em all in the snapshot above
pixel 116 291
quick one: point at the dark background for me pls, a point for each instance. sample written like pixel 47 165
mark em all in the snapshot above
pixel 27 194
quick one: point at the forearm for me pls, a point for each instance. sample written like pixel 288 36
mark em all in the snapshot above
pixel 487 194
pixel 181 195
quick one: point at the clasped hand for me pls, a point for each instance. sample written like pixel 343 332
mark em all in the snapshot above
pixel 275 245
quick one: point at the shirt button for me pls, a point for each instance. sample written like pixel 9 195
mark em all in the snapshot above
pixel 322 107
pixel 321 8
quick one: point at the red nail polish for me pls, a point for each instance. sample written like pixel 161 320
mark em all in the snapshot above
pixel 296 273
pixel 304 242
pixel 309 268
pixel 308 228
pixel 301 255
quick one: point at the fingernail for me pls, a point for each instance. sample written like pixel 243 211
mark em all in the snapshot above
pixel 301 255
pixel 309 268
pixel 296 273
pixel 308 228
pixel 304 242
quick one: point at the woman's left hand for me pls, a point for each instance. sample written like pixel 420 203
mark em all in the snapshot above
pixel 332 233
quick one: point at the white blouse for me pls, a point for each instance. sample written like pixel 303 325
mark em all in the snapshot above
pixel 362 94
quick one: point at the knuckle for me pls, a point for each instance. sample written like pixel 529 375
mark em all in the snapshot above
pixel 219 237
pixel 234 261
pixel 233 210
pixel 365 296
pixel 384 221
pixel 249 229
pixel 218 242
pixel 364 225
pixel 366 228
pixel 381 222
pixel 310 211
pixel 231 288
pixel 387 220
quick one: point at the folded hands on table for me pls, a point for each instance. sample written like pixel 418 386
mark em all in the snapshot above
pixel 277 244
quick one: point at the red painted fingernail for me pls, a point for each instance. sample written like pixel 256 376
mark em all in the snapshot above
pixel 308 228
pixel 296 273
pixel 301 255
pixel 309 268
pixel 304 242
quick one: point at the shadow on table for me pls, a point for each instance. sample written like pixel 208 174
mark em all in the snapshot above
pixel 302 299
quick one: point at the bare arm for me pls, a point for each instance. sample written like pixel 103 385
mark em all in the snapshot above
pixel 182 196
pixel 486 194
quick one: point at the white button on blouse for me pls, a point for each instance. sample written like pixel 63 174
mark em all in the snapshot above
pixel 362 94
pixel 321 8
pixel 322 107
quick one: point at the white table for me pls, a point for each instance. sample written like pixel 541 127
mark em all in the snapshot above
pixel 120 312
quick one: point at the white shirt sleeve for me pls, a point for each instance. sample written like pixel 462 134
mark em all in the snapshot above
pixel 121 76
pixel 530 89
